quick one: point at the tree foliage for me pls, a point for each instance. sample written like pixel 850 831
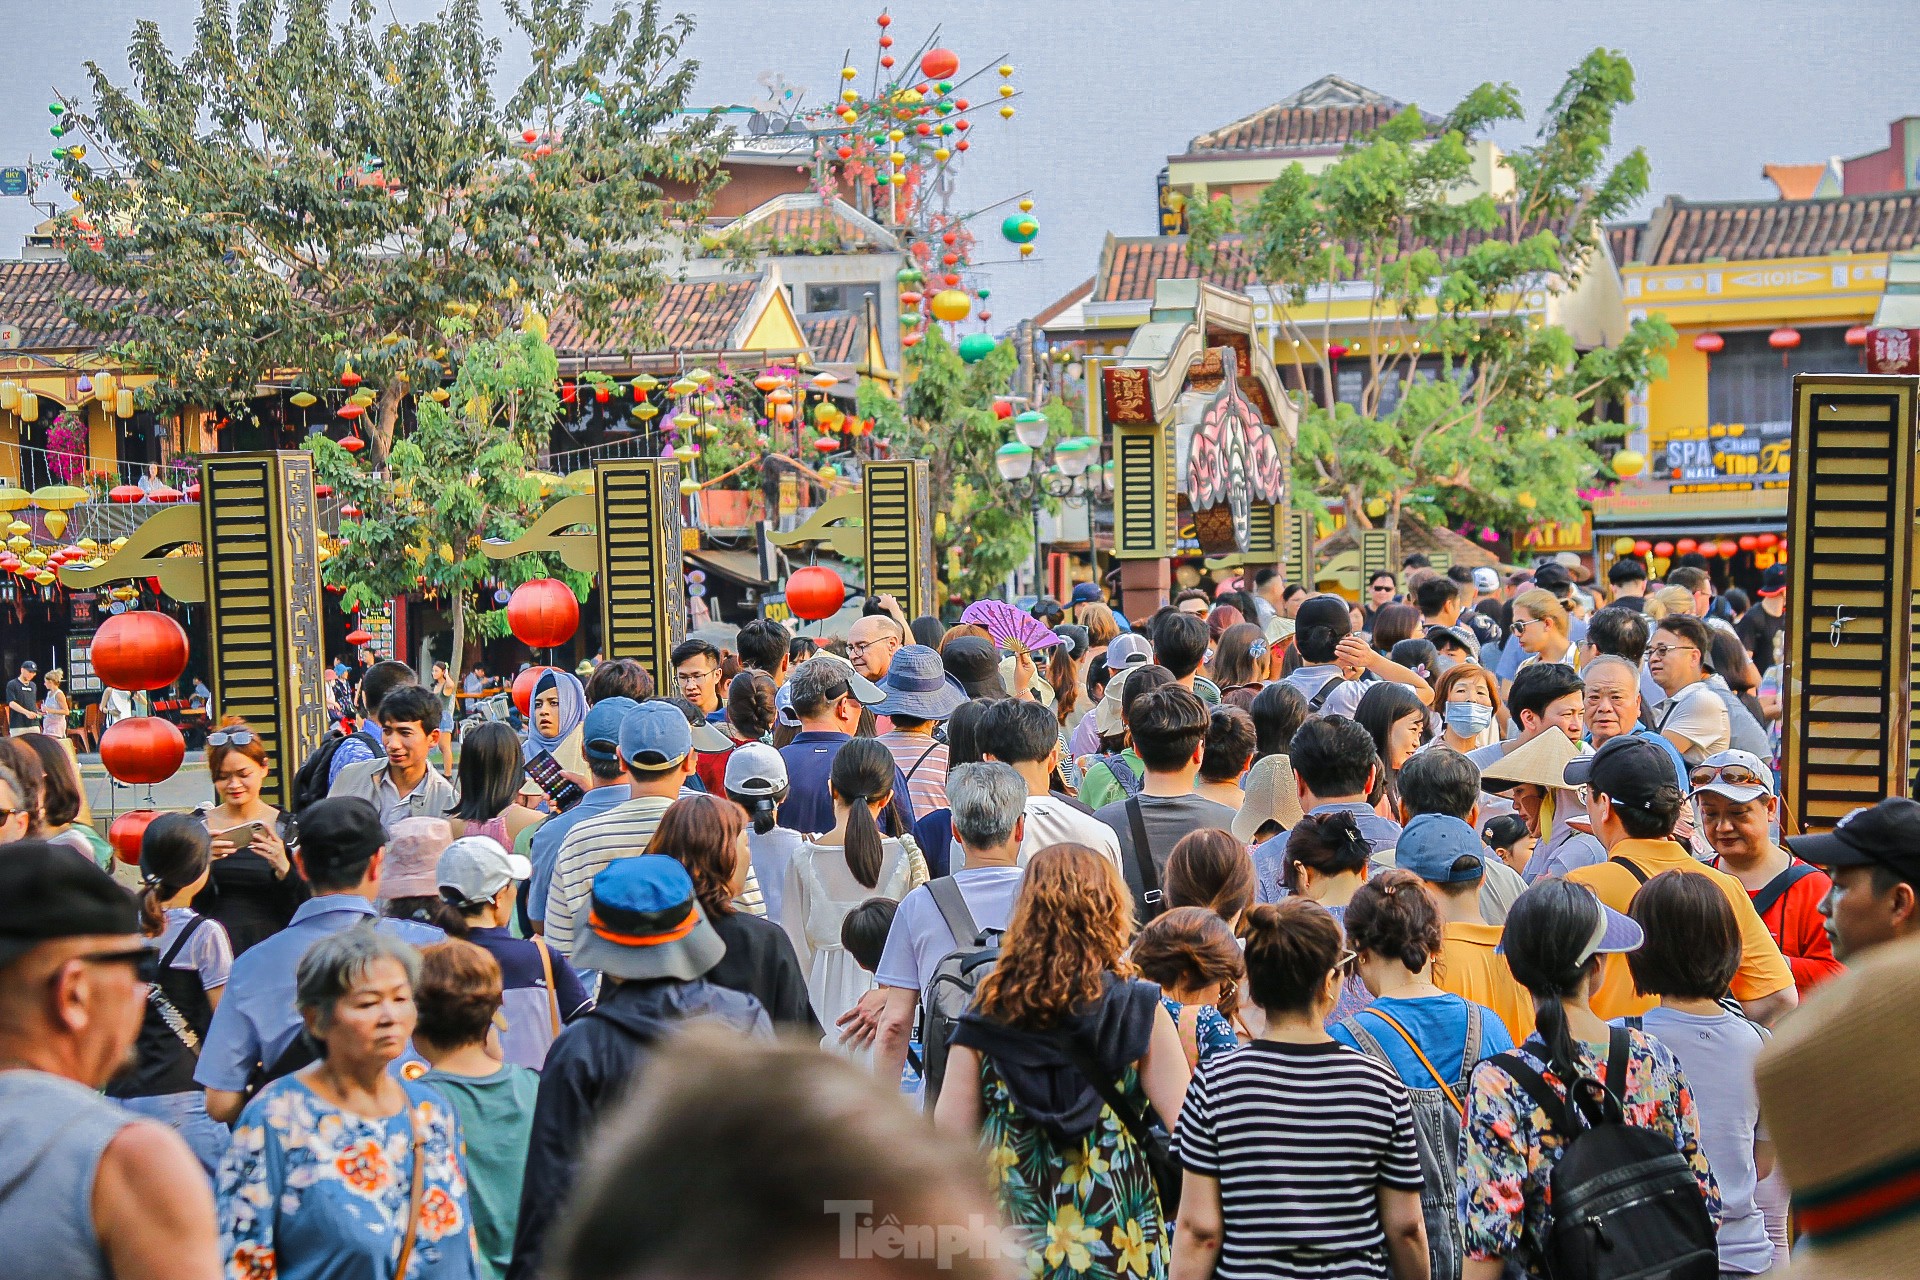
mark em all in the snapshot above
pixel 982 532
pixel 464 474
pixel 296 193
pixel 1474 407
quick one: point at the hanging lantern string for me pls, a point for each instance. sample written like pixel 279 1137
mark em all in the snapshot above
pixel 985 67
pixel 989 208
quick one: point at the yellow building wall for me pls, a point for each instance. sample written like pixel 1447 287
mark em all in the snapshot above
pixel 1680 398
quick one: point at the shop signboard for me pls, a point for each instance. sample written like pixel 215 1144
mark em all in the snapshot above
pixel 1550 537
pixel 1893 351
pixel 13 180
pixel 774 605
pixel 1727 457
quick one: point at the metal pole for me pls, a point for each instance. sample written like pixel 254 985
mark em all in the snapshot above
pixel 1039 560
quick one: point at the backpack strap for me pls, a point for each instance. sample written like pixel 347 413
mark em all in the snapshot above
pixel 1153 902
pixel 1777 887
pixel 166 961
pixel 1319 699
pixel 922 759
pixel 952 904
pixel 546 971
pixel 1414 1045
pixel 1535 1086
pixel 1618 1044
pixel 1137 1125
pixel 1470 1054
pixel 1633 869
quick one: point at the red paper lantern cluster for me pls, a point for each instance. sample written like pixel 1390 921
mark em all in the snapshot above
pixel 142 749
pixel 815 592
pixel 140 649
pixel 543 613
pixel 1784 339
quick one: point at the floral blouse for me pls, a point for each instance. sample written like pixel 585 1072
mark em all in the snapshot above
pixel 1508 1152
pixel 1212 1033
pixel 311 1192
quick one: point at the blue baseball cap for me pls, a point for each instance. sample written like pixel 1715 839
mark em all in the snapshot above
pixel 600 731
pixel 1085 593
pixel 1432 843
pixel 655 735
pixel 646 922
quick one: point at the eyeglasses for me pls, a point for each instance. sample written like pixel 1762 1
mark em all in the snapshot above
pixel 1520 625
pixel 1662 650
pixel 1382 586
pixel 230 738
pixel 1736 774
pixel 695 677
pixel 1583 793
pixel 145 961
pixel 857 647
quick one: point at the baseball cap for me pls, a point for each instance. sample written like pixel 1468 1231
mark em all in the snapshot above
pixel 414 847
pixel 1085 593
pixel 1271 797
pixel 829 677
pixel 600 731
pixel 655 735
pixel 1432 843
pixel 1456 636
pixel 48 891
pixel 646 923
pixel 783 707
pixel 1885 834
pixel 1486 578
pixel 29 665
pixel 1613 934
pixel 975 663
pixel 475 868
pixel 338 832
pixel 756 769
pixel 1076 637
pixel 1774 581
pixel 1106 713
pixel 1628 769
pixel 1743 764
pixel 1553 576
pixel 1128 650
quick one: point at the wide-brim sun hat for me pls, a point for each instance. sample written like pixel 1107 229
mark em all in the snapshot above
pixel 1542 761
pixel 1271 797
pixel 918 687
pixel 645 923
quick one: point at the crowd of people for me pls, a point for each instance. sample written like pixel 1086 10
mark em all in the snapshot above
pixel 1269 935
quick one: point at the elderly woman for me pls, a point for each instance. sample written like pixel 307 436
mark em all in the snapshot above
pixel 344 1169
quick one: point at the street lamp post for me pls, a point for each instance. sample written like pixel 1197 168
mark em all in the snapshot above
pixel 1072 475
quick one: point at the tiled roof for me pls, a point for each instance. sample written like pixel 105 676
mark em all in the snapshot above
pixel 1762 229
pixel 1324 116
pixel 1624 239
pixel 699 315
pixel 1135 262
pixel 837 337
pixel 807 226
pixel 30 299
pixel 1795 181
pixel 1417 536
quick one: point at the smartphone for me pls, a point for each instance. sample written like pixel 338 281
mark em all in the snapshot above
pixel 239 837
pixel 563 791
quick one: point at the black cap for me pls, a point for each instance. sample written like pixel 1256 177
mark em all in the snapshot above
pixel 975 663
pixel 1774 580
pixel 29 665
pixel 340 831
pixel 1553 576
pixel 1627 769
pixel 1882 835
pixel 48 891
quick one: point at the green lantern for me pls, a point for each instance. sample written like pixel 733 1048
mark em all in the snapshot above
pixel 1020 228
pixel 976 347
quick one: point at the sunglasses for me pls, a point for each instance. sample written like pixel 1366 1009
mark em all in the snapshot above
pixel 230 738
pixel 145 961
pixel 1736 774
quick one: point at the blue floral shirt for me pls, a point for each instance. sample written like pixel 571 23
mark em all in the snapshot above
pixel 311 1192
pixel 1212 1033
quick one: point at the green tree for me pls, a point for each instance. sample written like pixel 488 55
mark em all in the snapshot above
pixel 296 194
pixel 464 474
pixel 945 415
pixel 1474 407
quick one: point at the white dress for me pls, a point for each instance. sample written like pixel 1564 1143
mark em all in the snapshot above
pixel 819 893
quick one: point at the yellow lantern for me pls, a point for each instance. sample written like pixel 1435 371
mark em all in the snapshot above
pixel 645 383
pixel 303 399
pixel 699 377
pixel 644 411
pixel 689 487
pixel 1629 462
pixel 58 497
pixel 1006 113
pixel 685 421
pixel 103 386
pixel 686 453
pixel 1026 250
pixel 88 545
pixel 29 407
pixel 35 557
pixel 19 542
pixel 12 497
pixel 826 413
pixel 951 305
pixel 56 522
pixel 45 578
pixel 1623 546
pixel 10 396
pixel 683 387
pixel 1376 507
pixel 942 154
pixel 123 403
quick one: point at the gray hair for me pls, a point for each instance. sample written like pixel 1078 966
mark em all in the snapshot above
pixel 331 967
pixel 987 799
pixel 811 681
pixel 1613 659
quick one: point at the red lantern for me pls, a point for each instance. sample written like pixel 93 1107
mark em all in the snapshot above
pixel 939 64
pixel 602 394
pixel 523 687
pixel 126 833
pixel 349 379
pixel 192 491
pixel 1003 409
pixel 349 511
pixel 359 636
pixel 1784 339
pixel 140 649
pixel 126 493
pixel 1711 344
pixel 323 491
pixel 142 749
pixel 353 444
pixel 1686 546
pixel 1767 541
pixel 569 392
pixel 1643 548
pixel 1727 548
pixel 543 613
pixel 1749 543
pixel 826 444
pixel 164 493
pixel 350 410
pixel 815 592
pixel 1857 336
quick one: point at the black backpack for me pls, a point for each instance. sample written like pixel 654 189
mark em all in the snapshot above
pixel 955 979
pixel 310 783
pixel 1626 1205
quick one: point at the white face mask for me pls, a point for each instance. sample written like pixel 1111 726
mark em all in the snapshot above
pixel 1468 719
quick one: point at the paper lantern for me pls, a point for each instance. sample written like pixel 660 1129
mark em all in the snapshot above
pixel 1020 228
pixel 543 613
pixel 1623 546
pixel 523 687
pixel 127 832
pixel 359 636
pixel 1003 409
pixel 815 592
pixel 1749 543
pixel 123 403
pixel 1767 541
pixel 353 444
pixel 1727 548
pixel 1686 547
pixel 976 347
pixel 938 64
pixel 1628 462
pixel 29 407
pixel 951 305
pixel 142 749
pixel 1857 336
pixel 56 522
pixel 1711 344
pixel 144 649
pixel 350 410
pixel 1663 549
pixel 349 379
pixel 1784 339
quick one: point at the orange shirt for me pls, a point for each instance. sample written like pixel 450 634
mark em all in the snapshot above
pixel 1763 970
pixel 1470 968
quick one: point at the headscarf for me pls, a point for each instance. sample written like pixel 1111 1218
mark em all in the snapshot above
pixel 573 712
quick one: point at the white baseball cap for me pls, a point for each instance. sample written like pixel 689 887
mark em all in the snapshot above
pixel 756 769
pixel 475 868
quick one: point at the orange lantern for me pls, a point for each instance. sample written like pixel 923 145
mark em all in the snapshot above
pixel 815 592
pixel 142 749
pixel 523 687
pixel 783 414
pixel 1686 546
pixel 543 613
pixel 126 833
pixel 140 649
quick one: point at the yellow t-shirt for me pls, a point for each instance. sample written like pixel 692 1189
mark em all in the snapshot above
pixel 1470 968
pixel 1763 970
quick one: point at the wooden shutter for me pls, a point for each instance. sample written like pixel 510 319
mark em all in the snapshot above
pixel 1848 698
pixel 643 602
pixel 1376 556
pixel 897 525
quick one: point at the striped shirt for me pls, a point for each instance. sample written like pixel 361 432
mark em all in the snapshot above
pixel 621 832
pixel 926 777
pixel 1300 1137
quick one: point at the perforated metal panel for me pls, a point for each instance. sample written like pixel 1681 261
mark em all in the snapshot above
pixel 1440 561
pixel 897 525
pixel 643 602
pixel 1849 726
pixel 260 550
pixel 1263 537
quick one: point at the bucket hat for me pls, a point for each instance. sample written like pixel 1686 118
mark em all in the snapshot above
pixel 917 686
pixel 646 923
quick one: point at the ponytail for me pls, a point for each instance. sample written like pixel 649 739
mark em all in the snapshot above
pixel 175 851
pixel 863 773
pixel 1548 931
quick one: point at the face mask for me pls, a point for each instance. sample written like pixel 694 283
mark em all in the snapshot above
pixel 1468 719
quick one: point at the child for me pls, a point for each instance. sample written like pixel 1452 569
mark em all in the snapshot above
pixel 863 932
pixel 1507 835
